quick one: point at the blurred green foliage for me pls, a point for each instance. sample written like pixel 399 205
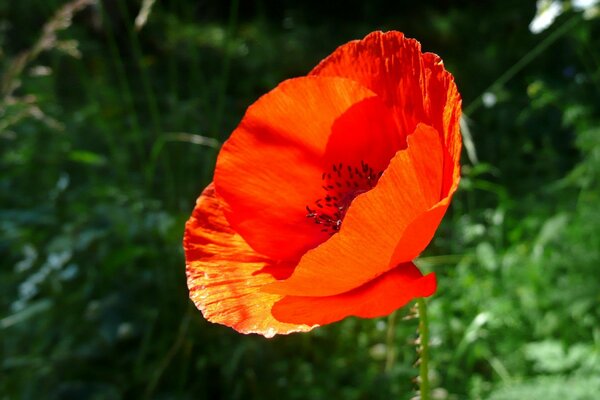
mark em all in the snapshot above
pixel 108 133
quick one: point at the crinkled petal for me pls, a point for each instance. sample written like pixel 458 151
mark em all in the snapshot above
pixel 389 225
pixel 225 275
pixel 414 84
pixel 376 298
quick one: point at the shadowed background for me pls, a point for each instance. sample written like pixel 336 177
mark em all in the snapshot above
pixel 109 130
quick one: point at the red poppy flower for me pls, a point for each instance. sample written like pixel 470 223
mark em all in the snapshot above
pixel 327 190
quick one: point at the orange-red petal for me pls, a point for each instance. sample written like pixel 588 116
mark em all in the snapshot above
pixel 225 275
pixel 389 225
pixel 376 298
pixel 365 132
pixel 270 169
pixel 414 84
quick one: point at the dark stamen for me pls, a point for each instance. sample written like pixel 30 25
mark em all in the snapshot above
pixel 341 187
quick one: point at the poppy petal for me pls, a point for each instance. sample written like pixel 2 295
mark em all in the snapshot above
pixel 270 169
pixel 415 84
pixel 365 133
pixel 224 274
pixel 404 202
pixel 376 298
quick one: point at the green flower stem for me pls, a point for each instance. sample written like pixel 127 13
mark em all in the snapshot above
pixel 423 350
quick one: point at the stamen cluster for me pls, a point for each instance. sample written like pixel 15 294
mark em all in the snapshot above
pixel 342 183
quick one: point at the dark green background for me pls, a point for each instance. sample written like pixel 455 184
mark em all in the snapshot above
pixel 98 175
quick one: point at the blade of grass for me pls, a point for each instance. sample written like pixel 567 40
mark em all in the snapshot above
pixel 124 87
pixel 152 107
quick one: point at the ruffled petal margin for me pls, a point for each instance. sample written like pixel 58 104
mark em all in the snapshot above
pixel 414 84
pixel 224 274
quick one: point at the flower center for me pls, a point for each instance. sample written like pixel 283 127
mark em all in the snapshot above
pixel 342 183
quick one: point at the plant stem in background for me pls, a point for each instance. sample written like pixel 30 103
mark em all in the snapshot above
pixel 220 104
pixel 423 350
pixel 390 357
